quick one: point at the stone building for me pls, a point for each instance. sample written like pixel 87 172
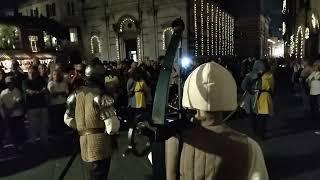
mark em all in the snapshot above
pixel 121 29
pixel 301 29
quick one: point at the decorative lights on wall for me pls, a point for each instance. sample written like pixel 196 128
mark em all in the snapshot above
pixel 307 33
pixel 123 23
pixel 196 29
pixel 212 30
pixel 95 39
pixel 170 29
pixel 300 36
pixel 284 6
pixel 314 21
pixel 215 36
pixel 291 45
pixel 202 29
pixel 118 49
pixel 208 30
pixel 139 47
pixel 284 28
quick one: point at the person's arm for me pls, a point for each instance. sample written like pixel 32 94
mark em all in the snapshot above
pixel 108 114
pixel 69 116
pixel 257 166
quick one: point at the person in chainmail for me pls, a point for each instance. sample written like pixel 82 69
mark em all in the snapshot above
pixel 90 111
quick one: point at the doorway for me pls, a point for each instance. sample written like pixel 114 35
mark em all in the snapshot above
pixel 131 49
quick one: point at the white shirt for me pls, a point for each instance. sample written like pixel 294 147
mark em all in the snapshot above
pixel 12 101
pixel 314 83
pixel 55 87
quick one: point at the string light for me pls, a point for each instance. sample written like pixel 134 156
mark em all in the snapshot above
pixel 139 48
pixel 301 43
pixel 118 51
pixel 314 21
pixel 216 29
pixel 232 36
pixel 164 36
pixel 212 30
pixel 195 29
pixel 99 44
pixel 307 34
pixel 220 34
pixel 202 31
pixel 284 28
pixel 228 35
pixel 284 6
pixel 291 45
pixel 124 21
pixel 208 30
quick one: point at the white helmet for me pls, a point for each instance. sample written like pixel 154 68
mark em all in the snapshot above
pixel 210 87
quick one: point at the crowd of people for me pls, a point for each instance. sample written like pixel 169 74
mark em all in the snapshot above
pixel 306 81
pixel 33 103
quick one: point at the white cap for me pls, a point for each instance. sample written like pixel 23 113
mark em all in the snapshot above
pixel 210 87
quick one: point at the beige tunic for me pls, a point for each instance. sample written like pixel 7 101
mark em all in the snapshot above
pixel 89 109
pixel 215 153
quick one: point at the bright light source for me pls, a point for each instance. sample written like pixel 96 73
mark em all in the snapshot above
pixel 185 62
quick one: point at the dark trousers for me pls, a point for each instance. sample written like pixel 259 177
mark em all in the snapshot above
pixel 259 124
pixel 98 170
pixel 56 113
pixel 136 115
pixel 17 129
pixel 314 105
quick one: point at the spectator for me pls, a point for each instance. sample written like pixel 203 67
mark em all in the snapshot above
pixel 314 83
pixel 37 113
pixel 78 78
pixel 17 74
pixel 2 80
pixel 43 72
pixel 11 102
pixel 58 90
pixel 131 83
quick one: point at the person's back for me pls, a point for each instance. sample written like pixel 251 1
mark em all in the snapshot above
pixel 210 150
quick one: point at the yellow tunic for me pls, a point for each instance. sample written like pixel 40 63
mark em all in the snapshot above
pixel 264 103
pixel 140 94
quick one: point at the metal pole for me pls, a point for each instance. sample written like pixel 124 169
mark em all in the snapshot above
pixel 180 78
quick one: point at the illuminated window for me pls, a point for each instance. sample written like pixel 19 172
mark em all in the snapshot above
pixel 95 45
pixel 54 41
pixel 33 43
pixel 73 35
pixel 284 28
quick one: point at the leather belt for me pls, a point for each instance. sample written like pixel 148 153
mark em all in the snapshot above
pixel 91 131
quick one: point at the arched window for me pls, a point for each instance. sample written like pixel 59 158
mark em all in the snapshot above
pixel 95 45
pixel 166 37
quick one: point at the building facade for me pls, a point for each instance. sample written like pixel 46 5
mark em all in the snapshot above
pixel 301 29
pixel 252 27
pixel 134 29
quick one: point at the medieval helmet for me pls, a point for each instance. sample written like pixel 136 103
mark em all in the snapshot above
pixel 95 71
pixel 210 87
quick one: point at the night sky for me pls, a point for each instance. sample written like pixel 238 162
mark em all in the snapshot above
pixel 272 8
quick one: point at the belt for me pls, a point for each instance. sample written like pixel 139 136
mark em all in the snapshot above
pixel 91 131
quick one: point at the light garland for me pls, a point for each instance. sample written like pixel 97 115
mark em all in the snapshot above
pixel 139 48
pixel 208 30
pixel 195 29
pixel 299 54
pixel 284 28
pixel 123 22
pixel 220 34
pixel 164 36
pixel 216 29
pixel 212 30
pixel 99 44
pixel 232 36
pixel 284 6
pixel 118 49
pixel 301 43
pixel 291 45
pixel 228 36
pixel 307 33
pixel 314 21
pixel 202 31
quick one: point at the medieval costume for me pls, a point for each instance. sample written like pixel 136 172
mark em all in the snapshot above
pixel 90 111
pixel 210 150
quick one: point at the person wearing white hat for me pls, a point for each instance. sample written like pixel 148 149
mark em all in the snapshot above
pixel 211 150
